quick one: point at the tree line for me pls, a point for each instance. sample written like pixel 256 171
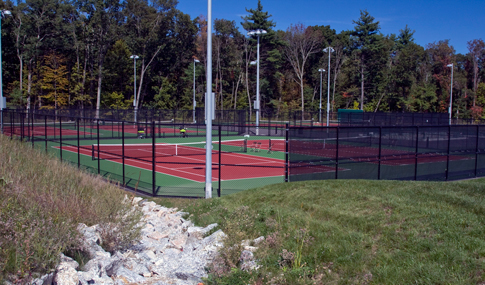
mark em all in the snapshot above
pixel 63 54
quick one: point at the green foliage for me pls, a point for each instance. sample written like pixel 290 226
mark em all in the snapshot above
pixel 421 98
pixel 257 19
pixel 17 97
pixel 118 71
pixel 96 38
pixel 163 99
pixel 116 100
pixel 480 95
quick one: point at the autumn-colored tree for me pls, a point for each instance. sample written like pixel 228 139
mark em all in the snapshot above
pixel 441 54
pixel 476 49
pixel 54 81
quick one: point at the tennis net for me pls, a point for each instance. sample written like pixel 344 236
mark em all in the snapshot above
pixel 283 123
pixel 146 151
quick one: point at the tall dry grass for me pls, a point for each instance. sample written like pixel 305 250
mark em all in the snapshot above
pixel 42 200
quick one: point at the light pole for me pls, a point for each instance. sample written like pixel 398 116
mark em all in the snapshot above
pixel 208 112
pixel 321 70
pixel 329 50
pixel 134 57
pixel 251 33
pixel 194 103
pixel 451 93
pixel 4 13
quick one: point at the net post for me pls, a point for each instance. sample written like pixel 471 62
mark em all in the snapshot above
pixel 286 153
pixel 153 159
pixel 123 150
pixel 220 150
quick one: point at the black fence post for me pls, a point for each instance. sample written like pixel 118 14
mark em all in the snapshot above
pixel 286 153
pixel 60 136
pixel 123 150
pixel 416 154
pixel 11 125
pixel 336 154
pixel 153 160
pixel 220 162
pixel 448 154
pixel 97 138
pixel 78 145
pixel 31 118
pixel 45 132
pixel 380 154
pixel 28 126
pixel 22 127
pixel 476 151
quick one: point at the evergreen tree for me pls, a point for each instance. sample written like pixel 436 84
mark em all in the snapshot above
pixel 367 46
pixel 271 53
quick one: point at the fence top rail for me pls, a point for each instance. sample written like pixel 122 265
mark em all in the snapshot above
pixel 387 127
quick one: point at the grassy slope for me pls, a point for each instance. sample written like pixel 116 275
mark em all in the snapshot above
pixel 356 231
pixel 42 200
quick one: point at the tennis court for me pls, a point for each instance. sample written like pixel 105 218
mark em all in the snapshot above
pixel 167 164
pixel 406 153
pixel 187 160
pixel 327 148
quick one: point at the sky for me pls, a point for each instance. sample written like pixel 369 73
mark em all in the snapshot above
pixel 458 21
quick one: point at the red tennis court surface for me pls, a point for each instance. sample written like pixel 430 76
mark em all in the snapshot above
pixel 192 167
pixel 42 131
pixel 391 157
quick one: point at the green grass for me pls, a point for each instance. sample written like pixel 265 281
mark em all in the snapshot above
pixel 352 232
pixel 42 201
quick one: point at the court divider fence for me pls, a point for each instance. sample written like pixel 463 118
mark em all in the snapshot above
pixel 155 158
pixel 434 153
